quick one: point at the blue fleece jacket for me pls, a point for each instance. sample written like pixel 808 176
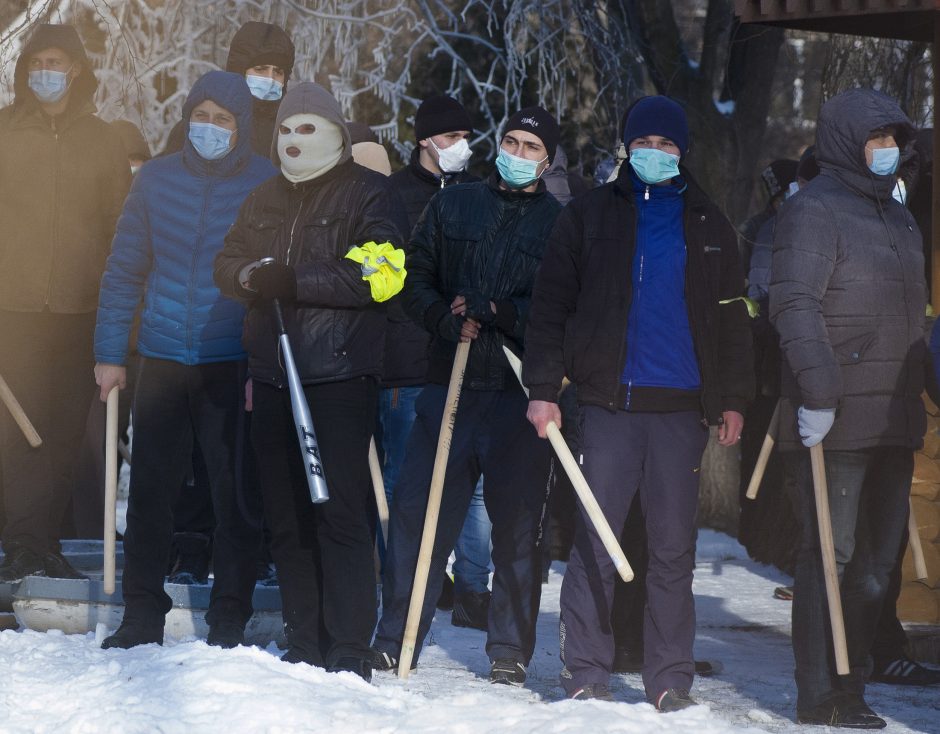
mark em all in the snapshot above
pixel 173 224
pixel 660 352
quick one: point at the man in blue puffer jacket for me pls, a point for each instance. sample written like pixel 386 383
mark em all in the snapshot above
pixel 192 363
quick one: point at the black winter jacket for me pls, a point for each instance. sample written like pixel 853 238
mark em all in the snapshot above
pixel 847 290
pixel 477 235
pixel 406 342
pixel 335 328
pixel 578 320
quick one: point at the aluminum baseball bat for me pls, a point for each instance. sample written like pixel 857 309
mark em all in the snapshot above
pixel 306 437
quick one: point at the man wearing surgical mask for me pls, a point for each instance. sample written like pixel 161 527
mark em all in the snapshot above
pixel 63 179
pixel 473 256
pixel 638 302
pixel 439 160
pixel 191 374
pixel 264 54
pixel 848 297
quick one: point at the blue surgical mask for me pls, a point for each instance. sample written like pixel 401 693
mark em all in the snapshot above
pixel 654 166
pixel 264 87
pixel 49 86
pixel 210 141
pixel 884 161
pixel 516 172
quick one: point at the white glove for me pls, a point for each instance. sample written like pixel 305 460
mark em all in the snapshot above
pixel 814 424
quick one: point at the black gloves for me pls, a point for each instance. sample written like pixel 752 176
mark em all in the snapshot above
pixel 478 306
pixel 274 280
pixel 449 327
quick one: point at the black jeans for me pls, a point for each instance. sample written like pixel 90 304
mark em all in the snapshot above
pixel 46 359
pixel 491 437
pixel 174 403
pixel 323 553
pixel 868 503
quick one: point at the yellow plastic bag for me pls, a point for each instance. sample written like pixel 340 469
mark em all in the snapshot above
pixel 753 309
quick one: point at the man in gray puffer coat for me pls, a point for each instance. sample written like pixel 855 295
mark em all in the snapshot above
pixel 848 298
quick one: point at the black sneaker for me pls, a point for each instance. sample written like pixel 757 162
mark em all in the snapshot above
pixel 20 562
pixel 673 699
pixel 226 633
pixel 132 634
pixel 844 711
pixel 507 671
pixel 57 567
pixel 592 691
pixel 471 610
pixel 627 660
pixel 905 672
pixel 359 666
pixel 445 601
pixel 386 663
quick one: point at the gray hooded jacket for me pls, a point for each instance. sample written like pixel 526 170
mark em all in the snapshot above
pixel 847 290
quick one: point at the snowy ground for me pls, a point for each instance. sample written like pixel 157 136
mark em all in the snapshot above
pixel 58 683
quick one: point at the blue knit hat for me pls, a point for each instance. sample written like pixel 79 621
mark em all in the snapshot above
pixel 657 116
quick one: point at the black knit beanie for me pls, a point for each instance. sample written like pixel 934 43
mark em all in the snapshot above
pixel 440 114
pixel 778 176
pixel 540 123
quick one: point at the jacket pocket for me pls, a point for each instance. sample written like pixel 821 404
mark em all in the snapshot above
pixel 322 238
pixel 851 346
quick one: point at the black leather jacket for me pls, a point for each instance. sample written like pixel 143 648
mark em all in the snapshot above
pixel 406 342
pixel 477 235
pixel 336 330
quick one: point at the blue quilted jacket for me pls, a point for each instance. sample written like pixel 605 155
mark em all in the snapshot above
pixel 173 224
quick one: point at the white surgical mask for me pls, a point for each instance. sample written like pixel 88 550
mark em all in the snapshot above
pixel 264 87
pixel 454 158
pixel 320 151
pixel 793 188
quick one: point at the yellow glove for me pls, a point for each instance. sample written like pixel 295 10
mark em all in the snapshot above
pixel 383 267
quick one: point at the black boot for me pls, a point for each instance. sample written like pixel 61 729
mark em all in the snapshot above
pixel 842 710
pixel 359 666
pixel 57 567
pixel 20 562
pixel 192 561
pixel 471 609
pixel 226 633
pixel 132 633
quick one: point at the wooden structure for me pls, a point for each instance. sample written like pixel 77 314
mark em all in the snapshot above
pixel 912 20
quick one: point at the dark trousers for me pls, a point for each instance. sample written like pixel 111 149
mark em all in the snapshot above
pixel 659 456
pixel 174 403
pixel 868 503
pixel 323 553
pixel 491 437
pixel 46 359
pixel 630 598
pixel 890 641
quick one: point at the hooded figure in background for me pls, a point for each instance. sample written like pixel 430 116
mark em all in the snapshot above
pixel 848 299
pixel 192 370
pixel 329 224
pixel 63 179
pixel 264 54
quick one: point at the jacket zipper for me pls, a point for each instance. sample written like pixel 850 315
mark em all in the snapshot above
pixel 635 296
pixel 55 211
pixel 293 227
pixel 623 342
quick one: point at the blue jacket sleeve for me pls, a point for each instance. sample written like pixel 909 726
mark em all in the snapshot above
pixel 122 284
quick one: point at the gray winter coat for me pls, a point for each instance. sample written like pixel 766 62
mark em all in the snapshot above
pixel 847 290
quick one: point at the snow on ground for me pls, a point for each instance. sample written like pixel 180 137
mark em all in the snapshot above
pixel 65 683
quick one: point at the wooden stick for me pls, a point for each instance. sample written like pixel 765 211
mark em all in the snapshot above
pixel 19 415
pixel 434 508
pixel 581 488
pixel 378 484
pixel 917 550
pixel 110 489
pixel 821 490
pixel 761 466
